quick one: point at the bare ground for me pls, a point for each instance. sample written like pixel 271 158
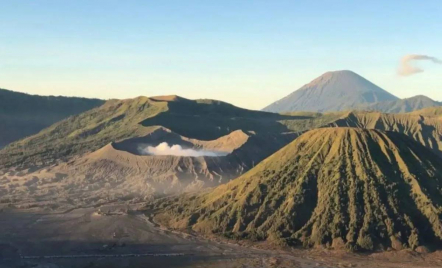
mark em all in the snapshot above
pixel 84 238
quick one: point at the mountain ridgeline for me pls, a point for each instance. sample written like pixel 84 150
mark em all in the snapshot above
pixel 402 106
pixel 22 115
pixel 123 119
pixel 430 111
pixel 197 119
pixel 422 126
pixel 335 187
pixel 99 155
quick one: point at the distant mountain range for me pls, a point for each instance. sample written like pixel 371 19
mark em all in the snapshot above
pixel 346 90
pixel 402 106
pixel 23 115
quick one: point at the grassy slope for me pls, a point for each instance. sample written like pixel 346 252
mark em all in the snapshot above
pixel 339 187
pixel 81 133
pixel 120 119
pixel 431 111
pixel 200 119
pixel 427 130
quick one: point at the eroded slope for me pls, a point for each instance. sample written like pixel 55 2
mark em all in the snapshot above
pixel 337 187
pixel 426 130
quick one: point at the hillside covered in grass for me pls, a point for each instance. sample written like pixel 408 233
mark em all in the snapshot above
pixel 430 111
pixel 122 119
pixel 335 187
pixel 422 127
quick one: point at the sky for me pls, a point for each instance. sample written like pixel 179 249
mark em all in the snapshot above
pixel 248 53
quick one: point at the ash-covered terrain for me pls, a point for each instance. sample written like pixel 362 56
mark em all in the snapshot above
pixel 171 182
pixel 122 236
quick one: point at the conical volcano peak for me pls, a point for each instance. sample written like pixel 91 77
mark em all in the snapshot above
pixel 332 91
pixel 335 77
pixel 340 74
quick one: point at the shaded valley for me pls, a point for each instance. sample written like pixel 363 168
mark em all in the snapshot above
pixel 23 115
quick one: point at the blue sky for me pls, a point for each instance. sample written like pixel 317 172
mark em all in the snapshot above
pixel 249 53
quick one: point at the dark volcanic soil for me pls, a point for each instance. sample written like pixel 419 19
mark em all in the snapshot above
pixel 85 238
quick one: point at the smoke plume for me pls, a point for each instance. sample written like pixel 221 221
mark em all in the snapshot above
pixel 406 67
pixel 176 150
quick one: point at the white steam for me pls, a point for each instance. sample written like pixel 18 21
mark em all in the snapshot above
pixel 176 150
pixel 406 67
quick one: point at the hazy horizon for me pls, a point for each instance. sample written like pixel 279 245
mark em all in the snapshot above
pixel 248 53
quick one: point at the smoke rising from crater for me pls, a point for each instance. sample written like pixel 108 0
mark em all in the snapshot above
pixel 406 67
pixel 176 150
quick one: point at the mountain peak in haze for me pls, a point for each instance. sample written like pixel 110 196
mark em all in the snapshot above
pixel 332 91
